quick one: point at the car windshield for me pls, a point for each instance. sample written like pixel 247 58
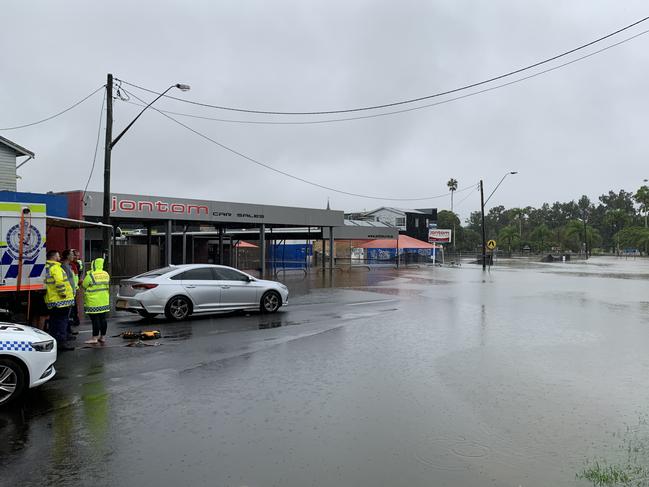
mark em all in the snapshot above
pixel 157 272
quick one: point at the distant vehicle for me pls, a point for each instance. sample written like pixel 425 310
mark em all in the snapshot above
pixel 180 291
pixel 27 357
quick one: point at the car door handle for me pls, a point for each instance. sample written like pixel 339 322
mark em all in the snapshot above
pixel 190 287
pixel 225 287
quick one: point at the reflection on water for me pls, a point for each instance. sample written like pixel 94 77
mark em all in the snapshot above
pixel 418 377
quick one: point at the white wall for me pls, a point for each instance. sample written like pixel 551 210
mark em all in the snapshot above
pixel 390 217
pixel 7 169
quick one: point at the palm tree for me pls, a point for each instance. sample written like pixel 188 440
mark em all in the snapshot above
pixel 508 234
pixel 452 187
pixel 576 229
pixel 519 214
pixel 542 234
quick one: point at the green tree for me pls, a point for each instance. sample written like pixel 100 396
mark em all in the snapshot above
pixel 470 240
pixel 446 219
pixel 642 198
pixel 541 236
pixel 577 232
pixel 449 220
pixel 517 215
pixel 509 235
pixel 633 237
pixel 616 220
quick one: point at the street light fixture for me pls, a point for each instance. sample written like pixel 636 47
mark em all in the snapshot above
pixel 482 205
pixel 110 143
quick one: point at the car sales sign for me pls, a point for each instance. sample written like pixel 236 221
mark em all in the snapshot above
pixel 438 235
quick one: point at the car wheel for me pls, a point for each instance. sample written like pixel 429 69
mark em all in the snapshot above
pixel 12 380
pixel 270 302
pixel 146 314
pixel 178 308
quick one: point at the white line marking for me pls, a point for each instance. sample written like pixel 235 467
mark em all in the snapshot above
pixel 372 302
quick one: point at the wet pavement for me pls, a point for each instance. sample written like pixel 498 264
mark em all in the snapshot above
pixel 417 377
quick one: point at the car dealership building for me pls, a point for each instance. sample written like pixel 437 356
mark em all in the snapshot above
pixel 158 230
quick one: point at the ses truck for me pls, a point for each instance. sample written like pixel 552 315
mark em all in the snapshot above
pixel 22 252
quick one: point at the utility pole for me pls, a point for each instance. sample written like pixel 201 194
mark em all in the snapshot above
pixel 484 233
pixel 106 232
pixel 585 237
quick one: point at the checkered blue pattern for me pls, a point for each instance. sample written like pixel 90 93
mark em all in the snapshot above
pixel 96 309
pixel 16 345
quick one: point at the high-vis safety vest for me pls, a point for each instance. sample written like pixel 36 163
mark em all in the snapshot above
pixel 58 291
pixel 79 272
pixel 96 289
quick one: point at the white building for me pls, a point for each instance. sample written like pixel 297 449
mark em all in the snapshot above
pixel 9 151
pixel 395 217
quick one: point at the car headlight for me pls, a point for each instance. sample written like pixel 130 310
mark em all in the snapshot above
pixel 45 346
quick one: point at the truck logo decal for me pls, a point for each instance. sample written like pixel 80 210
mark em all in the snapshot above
pixel 32 241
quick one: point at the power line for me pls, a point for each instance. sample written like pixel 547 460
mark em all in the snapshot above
pixel 466 197
pixel 56 114
pixel 94 157
pixel 284 173
pixel 411 100
pixel 405 110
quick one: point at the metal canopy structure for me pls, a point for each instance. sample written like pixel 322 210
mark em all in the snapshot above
pixel 221 215
pixel 143 208
pixel 72 224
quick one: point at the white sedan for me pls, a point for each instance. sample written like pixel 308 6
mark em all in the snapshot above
pixel 179 291
pixel 27 357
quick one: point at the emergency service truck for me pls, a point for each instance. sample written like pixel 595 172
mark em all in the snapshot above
pixel 22 253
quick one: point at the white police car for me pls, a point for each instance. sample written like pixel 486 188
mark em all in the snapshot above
pixel 27 357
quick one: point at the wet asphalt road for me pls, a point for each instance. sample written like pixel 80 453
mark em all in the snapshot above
pixel 417 377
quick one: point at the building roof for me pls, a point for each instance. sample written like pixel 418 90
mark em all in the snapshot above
pixel 18 149
pixel 366 223
pixel 399 211
pixel 405 242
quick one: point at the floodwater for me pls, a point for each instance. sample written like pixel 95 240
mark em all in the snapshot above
pixel 417 377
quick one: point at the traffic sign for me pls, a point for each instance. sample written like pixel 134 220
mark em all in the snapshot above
pixel 491 244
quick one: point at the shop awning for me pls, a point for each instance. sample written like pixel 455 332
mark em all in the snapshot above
pixel 57 221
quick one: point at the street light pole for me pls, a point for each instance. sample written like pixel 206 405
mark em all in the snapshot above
pixel 484 233
pixel 483 202
pixel 110 143
pixel 106 232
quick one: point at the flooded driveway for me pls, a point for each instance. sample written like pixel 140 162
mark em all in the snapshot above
pixel 417 377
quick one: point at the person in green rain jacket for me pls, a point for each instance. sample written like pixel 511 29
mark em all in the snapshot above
pixel 96 299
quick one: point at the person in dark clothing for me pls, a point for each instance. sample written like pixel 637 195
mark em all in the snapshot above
pixel 59 298
pixel 69 266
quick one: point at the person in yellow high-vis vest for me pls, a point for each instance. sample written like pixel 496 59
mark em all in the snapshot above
pixel 96 299
pixel 59 298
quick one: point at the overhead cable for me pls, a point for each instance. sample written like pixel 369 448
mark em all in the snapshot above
pixel 411 109
pixel 56 114
pixel 287 174
pixel 94 157
pixel 410 100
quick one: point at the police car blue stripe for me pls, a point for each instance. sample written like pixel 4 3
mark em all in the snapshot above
pixel 16 345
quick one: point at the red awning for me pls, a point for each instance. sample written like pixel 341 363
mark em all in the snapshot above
pixel 405 242
pixel 242 244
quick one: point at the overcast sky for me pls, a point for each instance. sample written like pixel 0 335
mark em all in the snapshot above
pixel 578 130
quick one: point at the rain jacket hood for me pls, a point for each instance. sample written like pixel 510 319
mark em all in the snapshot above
pixel 97 264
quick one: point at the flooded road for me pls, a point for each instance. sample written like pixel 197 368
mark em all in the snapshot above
pixel 417 377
